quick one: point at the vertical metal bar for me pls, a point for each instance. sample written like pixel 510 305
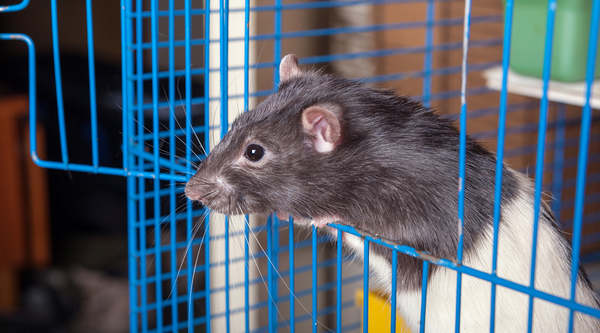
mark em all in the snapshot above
pixel 366 288
pixel 292 278
pixel 541 145
pixel 92 78
pixel 338 321
pixel 207 124
pixel 224 64
pixel 275 263
pixel 32 90
pixel 156 151
pixel 143 263
pixel 394 290
pixel 190 260
pixel 508 16
pixel 227 291
pixel 142 228
pixel 127 72
pixel 584 142
pixel 206 133
pixel 314 280
pixel 32 87
pixel 462 156
pixel 424 295
pixel 246 52
pixel 172 183
pixel 247 275
pixel 428 52
pixel 188 156
pixel 132 231
pixel 559 157
pixel 277 43
pixel 224 69
pixel 141 182
pixel 270 275
pixel 58 81
pixel 247 227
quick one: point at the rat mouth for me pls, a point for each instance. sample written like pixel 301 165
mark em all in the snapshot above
pixel 223 199
pixel 226 204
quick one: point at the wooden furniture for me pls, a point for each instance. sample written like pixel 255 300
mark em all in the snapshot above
pixel 24 211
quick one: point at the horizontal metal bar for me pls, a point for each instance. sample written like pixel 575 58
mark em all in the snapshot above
pixel 422 73
pixel 526 128
pixel 587 219
pixel 136 151
pixel 166 13
pixel 329 31
pixel 592 178
pixel 166 104
pixel 371 28
pixel 569 162
pixel 257 229
pixel 494 110
pixel 589 258
pixel 400 51
pixel 284 7
pixel 163 45
pixel 530 149
pixel 308 316
pixel 15 7
pixel 106 170
pixel 177 132
pixel 354 55
pixel 331 4
pixel 201 294
pixel 471 271
pixel 456 93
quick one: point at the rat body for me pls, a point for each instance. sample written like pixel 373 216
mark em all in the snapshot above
pixel 335 150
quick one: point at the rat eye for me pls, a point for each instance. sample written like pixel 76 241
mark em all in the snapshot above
pixel 254 152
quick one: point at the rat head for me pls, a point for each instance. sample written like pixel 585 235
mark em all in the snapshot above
pixel 276 157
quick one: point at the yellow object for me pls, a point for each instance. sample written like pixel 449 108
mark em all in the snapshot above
pixel 380 313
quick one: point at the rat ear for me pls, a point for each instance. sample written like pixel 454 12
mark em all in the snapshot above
pixel 324 125
pixel 288 68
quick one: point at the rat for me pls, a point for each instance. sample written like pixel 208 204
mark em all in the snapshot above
pixel 327 149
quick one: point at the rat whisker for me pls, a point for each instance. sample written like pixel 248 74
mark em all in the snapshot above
pixel 258 268
pixel 194 230
pixel 191 290
pixel 188 122
pixel 162 225
pixel 177 121
pixel 164 141
pixel 254 260
pixel 285 284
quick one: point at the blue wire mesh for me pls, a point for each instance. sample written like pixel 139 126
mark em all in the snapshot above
pixel 171 247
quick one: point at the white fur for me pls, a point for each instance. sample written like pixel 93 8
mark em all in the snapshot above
pixel 514 262
pixel 380 268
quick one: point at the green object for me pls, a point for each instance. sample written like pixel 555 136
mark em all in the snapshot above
pixel 571 35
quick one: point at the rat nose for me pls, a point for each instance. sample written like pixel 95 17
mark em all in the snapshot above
pixel 191 194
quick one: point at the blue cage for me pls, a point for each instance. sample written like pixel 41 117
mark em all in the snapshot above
pixel 189 67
